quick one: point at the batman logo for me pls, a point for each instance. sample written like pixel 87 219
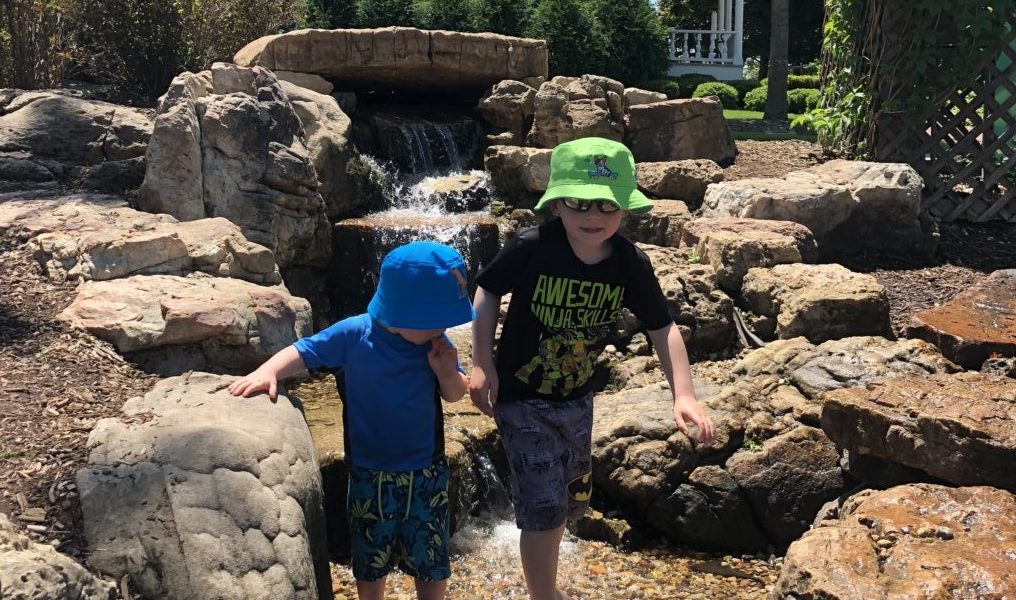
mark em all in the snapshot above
pixel 580 489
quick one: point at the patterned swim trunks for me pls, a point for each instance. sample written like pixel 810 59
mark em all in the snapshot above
pixel 548 446
pixel 399 519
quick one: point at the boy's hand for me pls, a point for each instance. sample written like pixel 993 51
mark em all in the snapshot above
pixel 258 381
pixel 443 357
pixel 483 389
pixel 689 409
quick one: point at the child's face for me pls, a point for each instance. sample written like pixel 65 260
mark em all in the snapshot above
pixel 590 228
pixel 417 336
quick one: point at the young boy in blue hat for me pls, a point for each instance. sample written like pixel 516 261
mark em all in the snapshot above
pixel 397 365
pixel 569 280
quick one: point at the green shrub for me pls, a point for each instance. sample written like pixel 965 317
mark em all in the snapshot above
pixel 450 15
pixel 671 88
pixel 508 17
pixel 727 94
pixel 576 40
pixel 802 100
pixel 386 13
pixel 799 82
pixel 690 81
pixel 743 86
pixel 331 14
pixel 756 99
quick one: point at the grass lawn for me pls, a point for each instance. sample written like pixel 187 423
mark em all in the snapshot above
pixel 751 115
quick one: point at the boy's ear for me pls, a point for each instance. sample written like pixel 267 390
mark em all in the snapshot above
pixel 554 208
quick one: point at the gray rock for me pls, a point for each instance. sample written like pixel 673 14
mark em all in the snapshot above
pixel 681 179
pixel 519 175
pixel 679 130
pixel 197 494
pixel 30 571
pixel 509 105
pixel 788 480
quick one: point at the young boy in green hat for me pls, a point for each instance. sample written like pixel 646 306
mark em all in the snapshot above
pixel 569 280
pixel 396 365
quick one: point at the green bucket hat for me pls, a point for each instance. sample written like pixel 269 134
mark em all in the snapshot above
pixel 594 169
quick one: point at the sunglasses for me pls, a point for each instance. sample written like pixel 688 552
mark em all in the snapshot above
pixel 604 206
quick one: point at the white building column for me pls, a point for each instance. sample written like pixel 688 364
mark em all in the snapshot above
pixel 739 33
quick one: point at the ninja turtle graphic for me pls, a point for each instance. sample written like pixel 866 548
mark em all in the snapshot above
pixel 565 361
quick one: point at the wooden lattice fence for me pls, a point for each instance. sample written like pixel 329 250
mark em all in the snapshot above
pixel 966 151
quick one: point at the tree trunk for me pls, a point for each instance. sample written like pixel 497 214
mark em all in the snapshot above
pixel 779 37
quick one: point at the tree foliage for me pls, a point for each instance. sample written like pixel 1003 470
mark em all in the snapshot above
pixel 330 14
pixel 576 40
pixel 636 41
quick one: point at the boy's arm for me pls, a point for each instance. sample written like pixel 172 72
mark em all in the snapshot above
pixel 285 363
pixel 444 361
pixel 483 381
pixel 674 361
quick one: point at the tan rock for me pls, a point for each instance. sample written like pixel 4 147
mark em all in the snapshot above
pixel 519 175
pixel 819 205
pixel 696 229
pixel 960 428
pixel 661 226
pixel 733 254
pixel 634 96
pixel 820 302
pixel 400 57
pixel 974 325
pixel 558 118
pixel 509 105
pixel 682 179
pixel 680 129
pixel 970 549
pixel 310 81
pixel 195 322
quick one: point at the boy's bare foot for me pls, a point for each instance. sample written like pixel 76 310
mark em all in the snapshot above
pixel 562 596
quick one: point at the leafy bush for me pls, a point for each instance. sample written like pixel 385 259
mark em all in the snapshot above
pixel 690 81
pixel 30 40
pixel 450 15
pixel 636 41
pixel 576 40
pixel 743 86
pixel 802 100
pixel 386 13
pixel 727 94
pixel 140 45
pixel 799 82
pixel 756 99
pixel 671 88
pixel 331 14
pixel 509 17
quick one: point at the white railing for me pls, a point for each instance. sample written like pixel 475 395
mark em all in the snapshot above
pixel 704 46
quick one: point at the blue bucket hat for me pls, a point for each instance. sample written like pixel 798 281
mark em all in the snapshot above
pixel 422 286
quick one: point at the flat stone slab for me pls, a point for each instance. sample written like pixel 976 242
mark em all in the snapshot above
pixel 680 130
pixel 819 302
pixel 400 57
pixel 960 428
pixel 519 174
pixel 86 241
pixel 679 179
pixel 920 542
pixel 975 324
pixel 173 324
pixel 197 494
pixel 661 226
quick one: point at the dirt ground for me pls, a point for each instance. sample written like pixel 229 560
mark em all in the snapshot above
pixel 55 382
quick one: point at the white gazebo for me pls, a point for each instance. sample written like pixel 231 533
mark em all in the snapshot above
pixel 715 51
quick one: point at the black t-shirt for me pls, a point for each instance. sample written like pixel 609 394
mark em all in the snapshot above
pixel 562 310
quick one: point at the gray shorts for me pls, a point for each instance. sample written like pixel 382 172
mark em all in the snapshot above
pixel 548 448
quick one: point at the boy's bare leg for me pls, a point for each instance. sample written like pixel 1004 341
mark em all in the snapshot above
pixel 431 590
pixel 539 550
pixel 371 590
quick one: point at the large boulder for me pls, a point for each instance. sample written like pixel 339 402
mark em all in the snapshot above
pixel 241 155
pixel 960 428
pixel 733 246
pixel 977 324
pixel 920 542
pixel 634 96
pixel 30 571
pixel 84 242
pixel 559 118
pixel 519 175
pixel 400 57
pixel 196 494
pixel 851 207
pixel 661 226
pixel 819 302
pixel 681 179
pixel 509 105
pixel 52 140
pixel 679 130
pixel 702 311
pixel 174 324
pixel 788 479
